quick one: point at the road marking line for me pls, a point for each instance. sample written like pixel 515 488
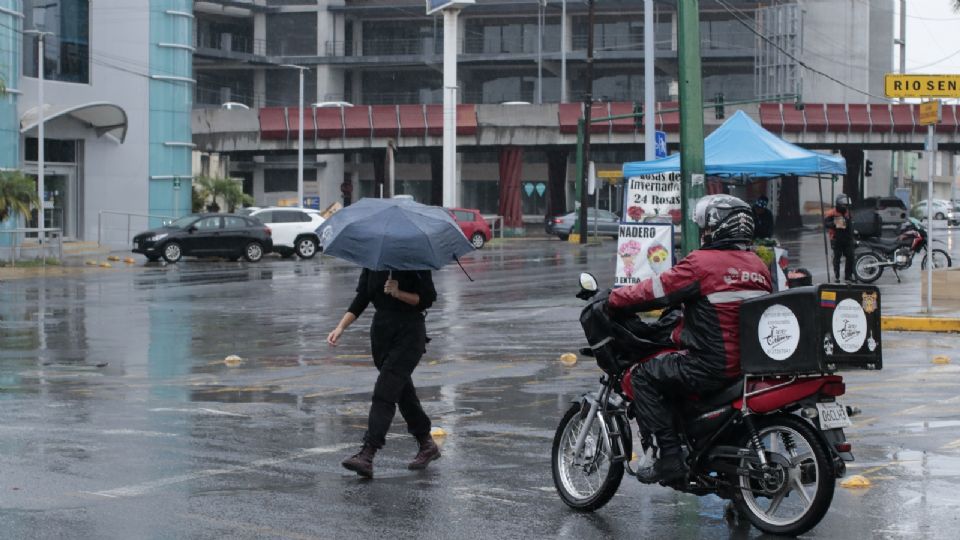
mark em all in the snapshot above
pixel 152 485
pixel 951 445
pixel 200 410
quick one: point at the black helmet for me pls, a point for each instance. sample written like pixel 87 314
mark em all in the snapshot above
pixel 725 217
pixel 761 201
pixel 842 201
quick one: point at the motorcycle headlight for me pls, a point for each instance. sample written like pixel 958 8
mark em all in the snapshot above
pixel 157 237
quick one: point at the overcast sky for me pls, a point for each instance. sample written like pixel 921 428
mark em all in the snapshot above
pixel 933 37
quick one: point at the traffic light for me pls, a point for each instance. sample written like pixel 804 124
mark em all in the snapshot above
pixel 718 106
pixel 868 168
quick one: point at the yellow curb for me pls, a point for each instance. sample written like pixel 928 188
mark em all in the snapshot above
pixel 920 324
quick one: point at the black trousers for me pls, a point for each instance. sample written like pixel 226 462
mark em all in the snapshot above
pixel 398 342
pixel 658 382
pixel 843 248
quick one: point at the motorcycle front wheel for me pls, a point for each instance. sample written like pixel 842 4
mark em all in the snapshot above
pixel 798 485
pixel 940 260
pixel 589 482
pixel 867 267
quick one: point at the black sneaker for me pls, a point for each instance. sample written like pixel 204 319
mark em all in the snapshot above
pixel 666 470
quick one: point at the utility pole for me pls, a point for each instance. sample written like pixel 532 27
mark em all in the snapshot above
pixel 587 113
pixel 299 137
pixel 902 42
pixel 691 119
pixel 563 51
pixel 541 19
pixel 41 124
pixel 649 92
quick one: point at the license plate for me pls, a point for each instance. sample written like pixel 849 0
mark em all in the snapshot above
pixel 833 415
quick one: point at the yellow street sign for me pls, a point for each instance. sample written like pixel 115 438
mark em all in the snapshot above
pixel 930 112
pixel 922 86
pixel 610 174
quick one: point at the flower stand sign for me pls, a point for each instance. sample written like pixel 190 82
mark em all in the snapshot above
pixel 652 196
pixel 643 251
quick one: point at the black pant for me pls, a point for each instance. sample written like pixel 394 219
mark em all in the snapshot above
pixel 398 341
pixel 658 381
pixel 843 247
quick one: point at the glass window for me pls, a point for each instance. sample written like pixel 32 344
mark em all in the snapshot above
pixel 231 222
pixel 67 51
pixel 265 217
pixel 291 34
pixel 208 224
pixel 54 150
pixel 282 216
pixel 276 180
pixel 463 216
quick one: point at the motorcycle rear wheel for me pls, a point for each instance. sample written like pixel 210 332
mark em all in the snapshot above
pixel 590 485
pixel 807 485
pixel 940 259
pixel 865 267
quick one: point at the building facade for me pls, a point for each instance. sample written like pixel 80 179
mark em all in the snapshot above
pixel 388 52
pixel 118 91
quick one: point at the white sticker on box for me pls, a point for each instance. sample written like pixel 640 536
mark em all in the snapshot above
pixel 778 332
pixel 849 325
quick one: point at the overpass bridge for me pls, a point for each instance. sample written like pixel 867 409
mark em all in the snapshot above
pixel 824 126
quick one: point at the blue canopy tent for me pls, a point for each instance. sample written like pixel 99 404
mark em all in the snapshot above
pixel 741 148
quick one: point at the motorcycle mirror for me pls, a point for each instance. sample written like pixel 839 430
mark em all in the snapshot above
pixel 588 282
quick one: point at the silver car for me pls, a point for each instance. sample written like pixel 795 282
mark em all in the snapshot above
pixel 606 223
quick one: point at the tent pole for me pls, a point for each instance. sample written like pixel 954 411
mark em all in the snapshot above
pixel 823 216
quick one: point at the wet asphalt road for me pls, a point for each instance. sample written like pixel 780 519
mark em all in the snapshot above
pixel 120 418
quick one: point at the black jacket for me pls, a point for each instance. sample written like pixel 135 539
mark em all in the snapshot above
pixel 370 289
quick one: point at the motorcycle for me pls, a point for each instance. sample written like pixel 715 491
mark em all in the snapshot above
pixel 875 253
pixel 757 443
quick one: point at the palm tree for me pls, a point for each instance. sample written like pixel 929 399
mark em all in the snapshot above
pixel 18 193
pixel 216 189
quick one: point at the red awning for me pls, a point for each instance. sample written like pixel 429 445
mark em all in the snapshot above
pixel 770 117
pixel 413 122
pixel 329 122
pixel 273 123
pixel 880 120
pixel 466 119
pixel 669 121
pixel 792 119
pixel 385 121
pixel 837 121
pixel 356 121
pixel 859 118
pixel 309 123
pixel 569 114
pixel 816 118
pixel 622 125
pixel 902 118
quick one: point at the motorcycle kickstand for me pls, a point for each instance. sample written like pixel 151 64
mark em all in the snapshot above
pixel 896 273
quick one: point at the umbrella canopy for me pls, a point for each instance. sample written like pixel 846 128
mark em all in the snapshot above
pixel 741 147
pixel 393 234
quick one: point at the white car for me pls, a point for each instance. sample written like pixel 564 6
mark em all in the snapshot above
pixel 294 229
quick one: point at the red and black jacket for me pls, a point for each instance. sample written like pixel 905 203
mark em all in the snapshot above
pixel 711 284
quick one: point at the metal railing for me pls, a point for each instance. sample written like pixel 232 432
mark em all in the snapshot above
pixel 142 222
pixel 14 244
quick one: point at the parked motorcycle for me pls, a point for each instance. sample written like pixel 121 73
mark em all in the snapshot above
pixel 774 445
pixel 875 253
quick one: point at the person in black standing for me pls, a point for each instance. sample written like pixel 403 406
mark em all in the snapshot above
pixel 398 339
pixel 762 218
pixel 839 223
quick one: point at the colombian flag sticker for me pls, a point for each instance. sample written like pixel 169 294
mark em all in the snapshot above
pixel 828 299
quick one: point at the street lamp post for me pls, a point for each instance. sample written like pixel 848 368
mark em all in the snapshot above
pixel 41 120
pixel 299 135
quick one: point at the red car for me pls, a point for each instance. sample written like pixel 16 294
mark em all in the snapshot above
pixel 473 225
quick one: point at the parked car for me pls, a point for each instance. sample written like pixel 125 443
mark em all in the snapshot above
pixel 607 223
pixel 941 210
pixel 198 235
pixel 294 229
pixel 891 210
pixel 473 225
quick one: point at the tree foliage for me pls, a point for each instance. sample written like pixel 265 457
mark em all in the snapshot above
pixel 18 193
pixel 214 190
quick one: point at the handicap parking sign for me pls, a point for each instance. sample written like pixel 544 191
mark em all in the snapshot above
pixel 660 145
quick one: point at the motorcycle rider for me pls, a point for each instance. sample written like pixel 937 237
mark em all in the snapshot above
pixel 762 218
pixel 839 223
pixel 710 283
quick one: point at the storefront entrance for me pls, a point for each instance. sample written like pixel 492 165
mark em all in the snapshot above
pixel 61 202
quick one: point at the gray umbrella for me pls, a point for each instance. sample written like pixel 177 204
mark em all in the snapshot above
pixel 393 234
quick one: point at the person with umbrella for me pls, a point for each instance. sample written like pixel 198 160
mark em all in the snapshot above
pixel 397 243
